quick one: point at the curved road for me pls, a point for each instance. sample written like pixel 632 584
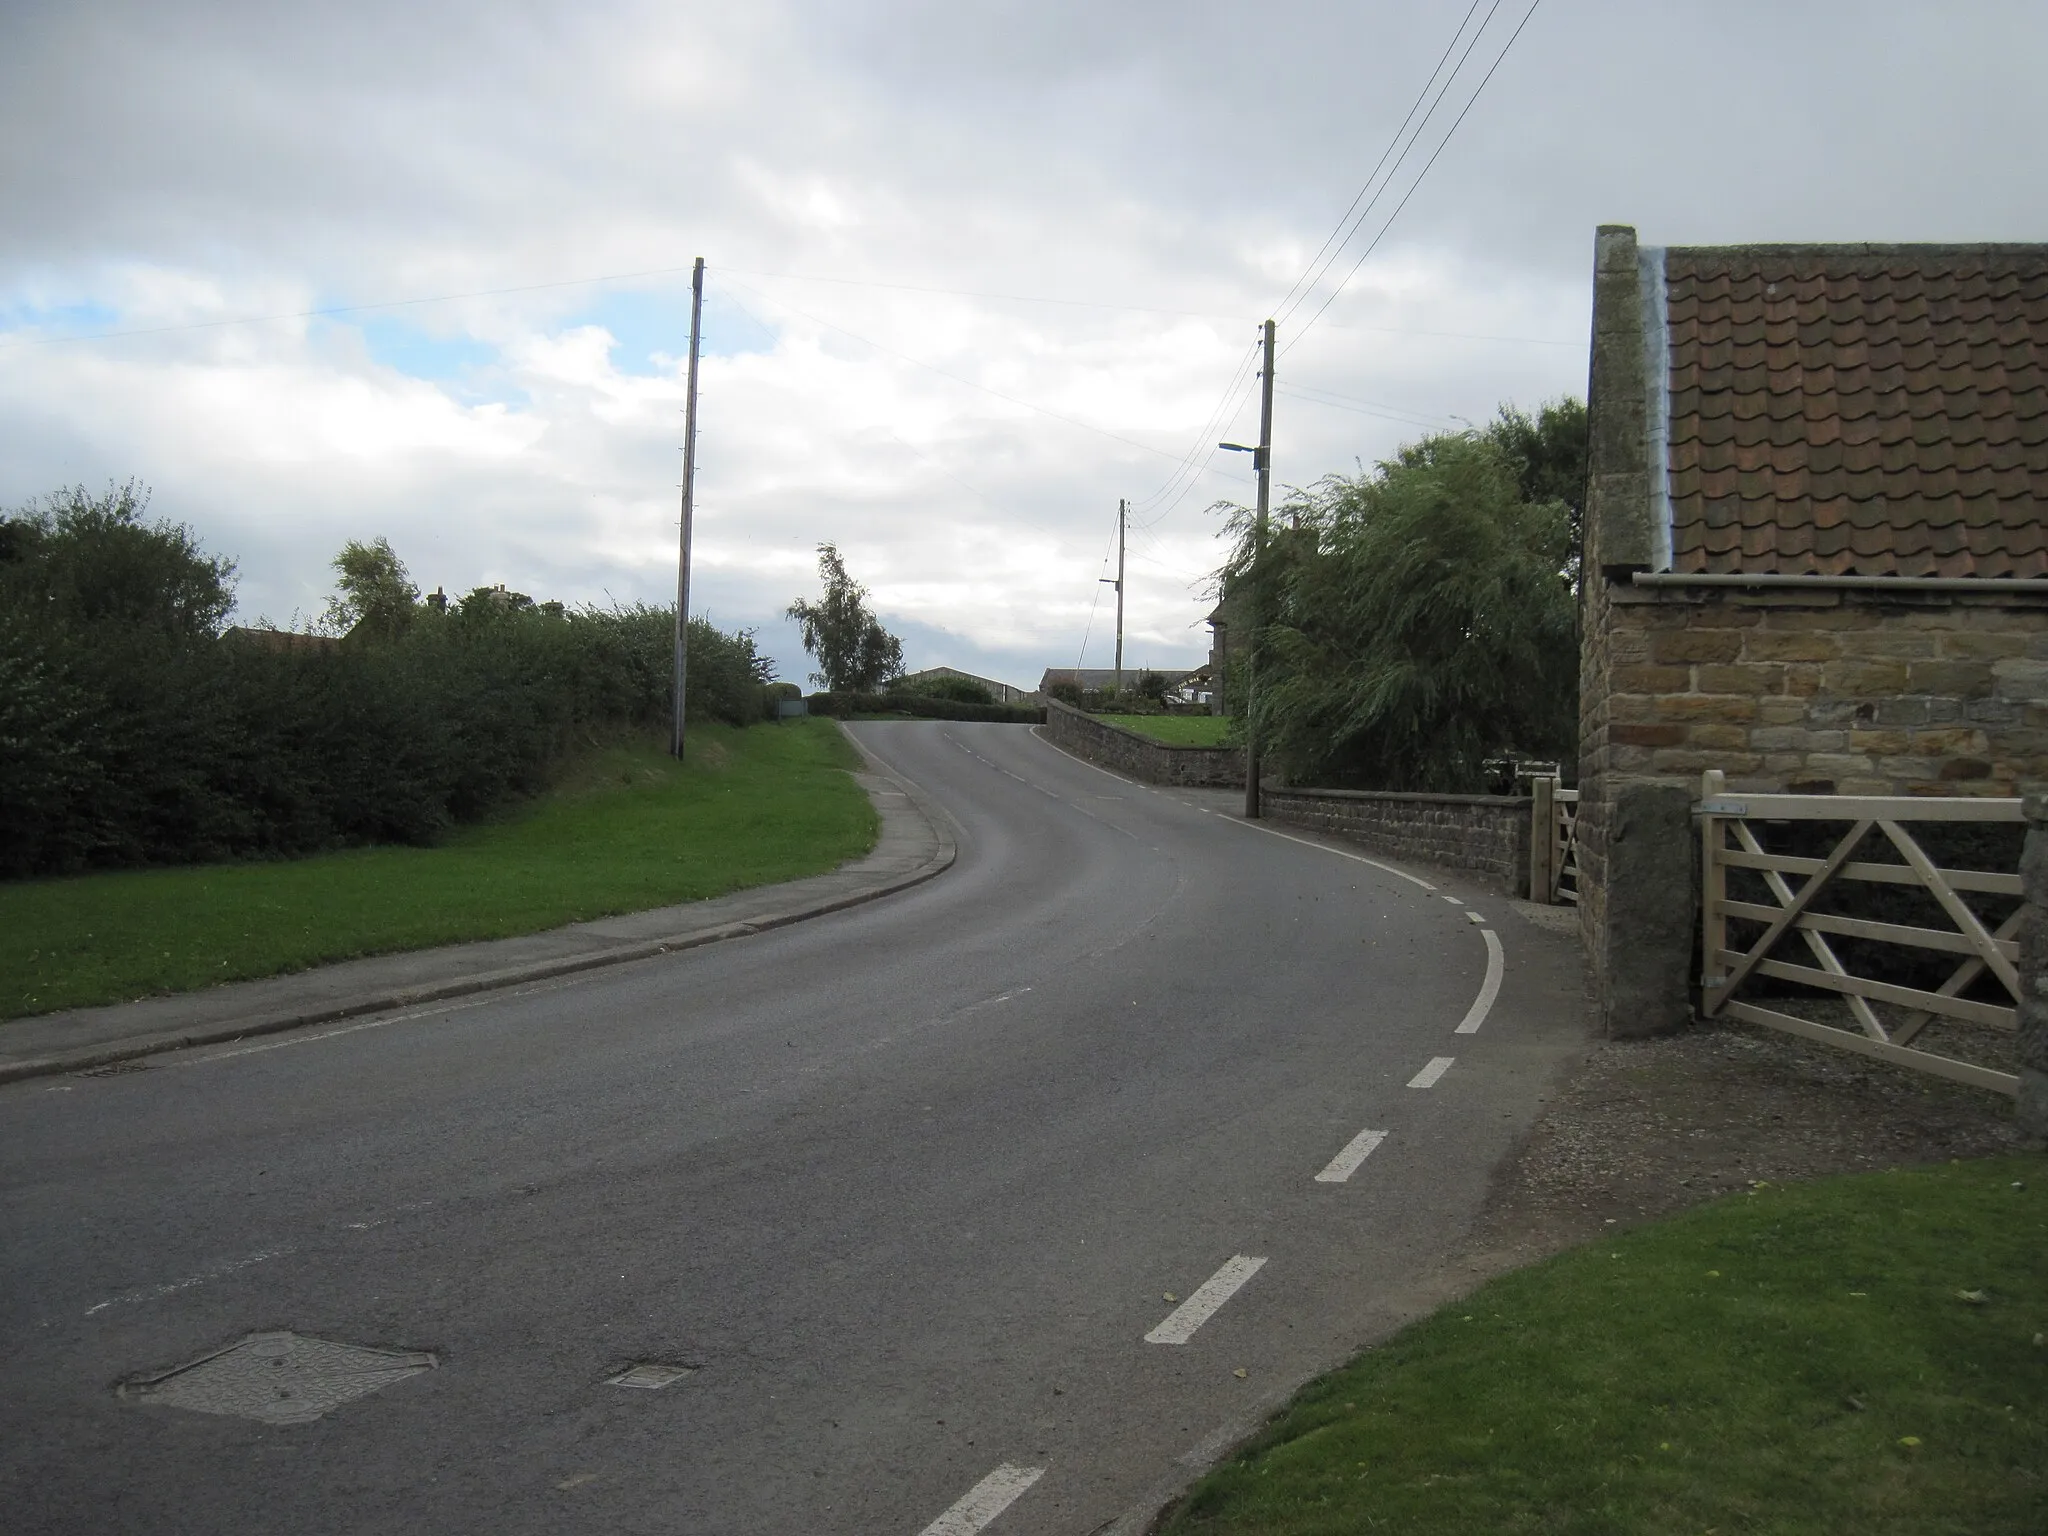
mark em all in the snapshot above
pixel 908 1186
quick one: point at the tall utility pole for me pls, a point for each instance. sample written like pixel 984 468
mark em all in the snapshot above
pixel 1122 513
pixel 1262 461
pixel 689 508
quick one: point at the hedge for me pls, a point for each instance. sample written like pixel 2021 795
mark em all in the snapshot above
pixel 844 706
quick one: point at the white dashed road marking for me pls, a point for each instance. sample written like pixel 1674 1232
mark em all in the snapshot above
pixel 1426 1078
pixel 984 1501
pixel 1452 900
pixel 1183 1320
pixel 1356 1151
pixel 1475 917
pixel 1489 989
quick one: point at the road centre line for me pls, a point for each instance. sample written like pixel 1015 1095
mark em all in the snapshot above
pixel 1452 900
pixel 1475 917
pixel 1207 1299
pixel 984 1501
pixel 1489 989
pixel 1427 1077
pixel 1356 1151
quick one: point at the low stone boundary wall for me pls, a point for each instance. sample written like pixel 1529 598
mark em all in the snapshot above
pixel 1139 756
pixel 1485 834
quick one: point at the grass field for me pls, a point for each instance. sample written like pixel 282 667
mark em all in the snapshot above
pixel 627 829
pixel 1866 1354
pixel 1176 730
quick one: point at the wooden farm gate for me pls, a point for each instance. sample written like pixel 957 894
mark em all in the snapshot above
pixel 1965 917
pixel 1553 842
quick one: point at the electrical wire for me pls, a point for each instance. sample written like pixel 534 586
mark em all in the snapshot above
pixel 1209 428
pixel 1311 274
pixel 1082 655
pixel 1421 175
pixel 1401 418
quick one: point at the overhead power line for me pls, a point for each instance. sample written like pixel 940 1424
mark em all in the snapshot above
pixel 1338 235
pixel 1421 175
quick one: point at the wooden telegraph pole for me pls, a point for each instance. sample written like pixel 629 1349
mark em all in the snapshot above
pixel 1122 513
pixel 689 507
pixel 1262 461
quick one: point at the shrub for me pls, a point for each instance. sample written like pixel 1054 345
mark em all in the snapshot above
pixel 962 690
pixel 844 706
pixel 131 734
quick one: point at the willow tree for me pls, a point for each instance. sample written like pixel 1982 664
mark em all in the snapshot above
pixel 855 654
pixel 1420 618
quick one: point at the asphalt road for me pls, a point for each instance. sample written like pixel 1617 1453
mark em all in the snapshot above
pixel 907 1186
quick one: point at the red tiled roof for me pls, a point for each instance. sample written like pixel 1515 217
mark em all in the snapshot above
pixel 1861 411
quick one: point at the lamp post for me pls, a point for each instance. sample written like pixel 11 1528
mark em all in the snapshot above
pixel 1262 462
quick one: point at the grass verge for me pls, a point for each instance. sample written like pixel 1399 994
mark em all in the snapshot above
pixel 627 829
pixel 1864 1354
pixel 1177 730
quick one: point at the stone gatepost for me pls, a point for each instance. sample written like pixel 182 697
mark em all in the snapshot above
pixel 2032 1109
pixel 1648 924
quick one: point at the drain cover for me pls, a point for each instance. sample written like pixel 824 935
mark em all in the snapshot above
pixel 280 1378
pixel 650 1375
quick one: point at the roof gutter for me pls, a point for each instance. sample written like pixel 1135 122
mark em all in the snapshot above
pixel 2032 584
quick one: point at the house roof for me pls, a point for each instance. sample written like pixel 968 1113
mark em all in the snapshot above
pixel 1855 410
pixel 1098 678
pixel 1000 689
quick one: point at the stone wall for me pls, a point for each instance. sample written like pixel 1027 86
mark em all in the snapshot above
pixel 2031 1111
pixel 1826 692
pixel 1484 834
pixel 1139 756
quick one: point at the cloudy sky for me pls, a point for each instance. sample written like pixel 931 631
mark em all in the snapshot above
pixel 978 268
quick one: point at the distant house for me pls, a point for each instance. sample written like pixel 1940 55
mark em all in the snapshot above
pixel 1102 680
pixel 1002 693
pixel 280 641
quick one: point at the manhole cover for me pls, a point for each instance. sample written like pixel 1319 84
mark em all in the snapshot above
pixel 280 1378
pixel 649 1374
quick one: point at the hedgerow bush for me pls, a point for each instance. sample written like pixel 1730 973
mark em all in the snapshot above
pixel 133 730
pixel 843 706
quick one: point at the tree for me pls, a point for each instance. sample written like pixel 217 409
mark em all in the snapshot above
pixel 374 595
pixel 855 654
pixel 1421 619
pixel 1547 452
pixel 77 561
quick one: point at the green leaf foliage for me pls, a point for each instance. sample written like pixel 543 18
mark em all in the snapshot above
pixel 855 654
pixel 132 732
pixel 1419 618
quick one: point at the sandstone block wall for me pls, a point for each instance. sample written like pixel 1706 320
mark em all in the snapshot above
pixel 1831 693
pixel 1804 692
pixel 1139 756
pixel 1487 835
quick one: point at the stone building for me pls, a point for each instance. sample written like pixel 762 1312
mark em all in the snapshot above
pixel 1815 559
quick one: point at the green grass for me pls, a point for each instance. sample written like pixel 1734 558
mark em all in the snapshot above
pixel 1858 1355
pixel 1176 730
pixel 627 829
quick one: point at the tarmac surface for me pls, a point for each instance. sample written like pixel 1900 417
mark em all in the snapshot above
pixel 1007 1202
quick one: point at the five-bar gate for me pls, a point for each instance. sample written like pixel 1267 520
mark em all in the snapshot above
pixel 1830 847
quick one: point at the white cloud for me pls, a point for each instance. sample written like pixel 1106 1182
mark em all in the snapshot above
pixel 215 161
